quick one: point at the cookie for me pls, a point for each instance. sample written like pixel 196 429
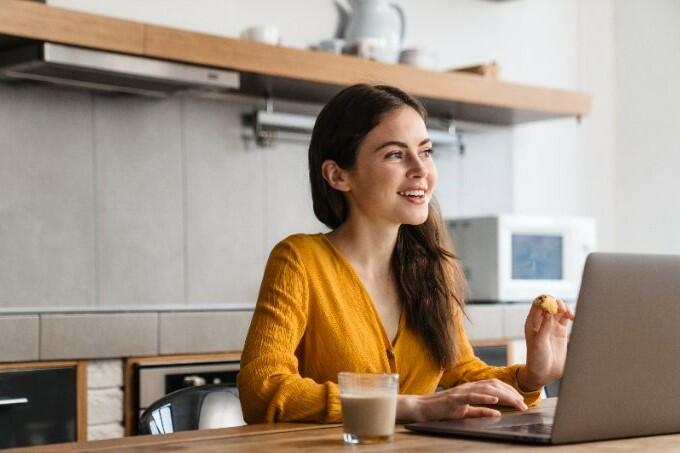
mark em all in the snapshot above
pixel 547 303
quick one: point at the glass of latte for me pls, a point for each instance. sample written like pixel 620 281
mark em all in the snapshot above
pixel 369 406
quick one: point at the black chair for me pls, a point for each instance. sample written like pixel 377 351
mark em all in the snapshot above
pixel 192 408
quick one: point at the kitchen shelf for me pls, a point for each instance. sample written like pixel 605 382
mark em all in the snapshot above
pixel 293 74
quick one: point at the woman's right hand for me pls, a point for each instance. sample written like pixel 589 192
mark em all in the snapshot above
pixel 459 402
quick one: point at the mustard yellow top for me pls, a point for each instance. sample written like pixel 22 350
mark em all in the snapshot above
pixel 313 319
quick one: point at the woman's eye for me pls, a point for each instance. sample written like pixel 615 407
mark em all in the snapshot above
pixel 427 152
pixel 393 155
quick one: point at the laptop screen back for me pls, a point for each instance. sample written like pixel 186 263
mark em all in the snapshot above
pixel 622 376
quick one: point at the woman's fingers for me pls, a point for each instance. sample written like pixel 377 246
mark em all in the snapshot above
pixel 537 317
pixel 465 400
pixel 461 405
pixel 546 328
pixel 476 412
pixel 566 314
pixel 506 394
pixel 477 398
pixel 534 318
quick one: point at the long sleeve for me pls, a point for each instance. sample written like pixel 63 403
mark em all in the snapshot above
pixel 469 368
pixel 270 385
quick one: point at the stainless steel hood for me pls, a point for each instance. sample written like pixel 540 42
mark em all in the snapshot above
pixel 108 71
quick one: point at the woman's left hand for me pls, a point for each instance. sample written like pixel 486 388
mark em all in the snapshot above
pixel 546 338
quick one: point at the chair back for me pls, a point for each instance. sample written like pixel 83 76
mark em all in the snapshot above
pixel 201 407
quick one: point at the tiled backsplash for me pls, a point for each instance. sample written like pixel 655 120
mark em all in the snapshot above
pixel 114 201
pixel 94 335
pixel 113 335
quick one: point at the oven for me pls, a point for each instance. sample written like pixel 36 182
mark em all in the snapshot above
pixel 37 406
pixel 152 381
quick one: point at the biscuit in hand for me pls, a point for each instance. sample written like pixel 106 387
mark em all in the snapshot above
pixel 547 303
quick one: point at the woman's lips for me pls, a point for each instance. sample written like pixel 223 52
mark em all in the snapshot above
pixel 416 200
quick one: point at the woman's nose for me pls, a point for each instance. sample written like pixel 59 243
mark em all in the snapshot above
pixel 417 167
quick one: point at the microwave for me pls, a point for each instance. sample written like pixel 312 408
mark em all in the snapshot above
pixel 514 258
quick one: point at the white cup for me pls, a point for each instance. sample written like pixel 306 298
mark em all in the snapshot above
pixel 419 57
pixel 371 48
pixel 267 34
pixel 335 45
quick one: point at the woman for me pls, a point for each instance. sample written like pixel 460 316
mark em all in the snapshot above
pixel 382 292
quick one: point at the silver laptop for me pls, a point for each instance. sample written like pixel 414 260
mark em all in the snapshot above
pixel 622 375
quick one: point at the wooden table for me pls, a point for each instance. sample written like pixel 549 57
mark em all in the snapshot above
pixel 285 437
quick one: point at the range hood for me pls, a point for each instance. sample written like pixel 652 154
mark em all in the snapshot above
pixel 108 71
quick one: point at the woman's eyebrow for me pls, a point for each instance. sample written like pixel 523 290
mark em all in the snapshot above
pixel 401 144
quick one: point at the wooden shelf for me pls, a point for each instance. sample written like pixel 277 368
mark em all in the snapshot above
pixel 295 74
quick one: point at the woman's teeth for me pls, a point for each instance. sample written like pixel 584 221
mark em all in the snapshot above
pixel 412 193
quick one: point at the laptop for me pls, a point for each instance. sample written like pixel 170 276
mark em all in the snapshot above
pixel 622 374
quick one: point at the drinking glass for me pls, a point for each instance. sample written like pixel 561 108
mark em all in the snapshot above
pixel 369 406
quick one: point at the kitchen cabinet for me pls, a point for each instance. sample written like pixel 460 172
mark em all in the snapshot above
pixel 294 74
pixel 41 403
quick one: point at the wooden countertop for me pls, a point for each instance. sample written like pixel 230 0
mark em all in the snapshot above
pixel 289 73
pixel 283 437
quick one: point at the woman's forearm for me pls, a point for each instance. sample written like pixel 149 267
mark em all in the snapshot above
pixel 525 381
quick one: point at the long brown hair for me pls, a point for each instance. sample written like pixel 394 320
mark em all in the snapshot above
pixel 428 274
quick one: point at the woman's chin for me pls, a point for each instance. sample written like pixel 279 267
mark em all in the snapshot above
pixel 414 219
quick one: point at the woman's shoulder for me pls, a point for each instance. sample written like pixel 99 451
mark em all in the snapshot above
pixel 301 244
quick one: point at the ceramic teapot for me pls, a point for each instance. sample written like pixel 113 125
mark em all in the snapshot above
pixel 376 21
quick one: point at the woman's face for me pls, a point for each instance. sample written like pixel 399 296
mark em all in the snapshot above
pixel 394 175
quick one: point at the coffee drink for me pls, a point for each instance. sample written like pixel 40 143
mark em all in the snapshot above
pixel 369 406
pixel 369 415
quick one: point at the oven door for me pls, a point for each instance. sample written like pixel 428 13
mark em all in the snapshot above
pixel 154 381
pixel 37 406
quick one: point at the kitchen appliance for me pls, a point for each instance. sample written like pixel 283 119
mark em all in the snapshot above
pixel 37 406
pixel 109 71
pixel 153 381
pixel 514 258
pixel 375 23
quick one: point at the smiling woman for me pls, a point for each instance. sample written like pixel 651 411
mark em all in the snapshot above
pixel 383 186
pixel 382 291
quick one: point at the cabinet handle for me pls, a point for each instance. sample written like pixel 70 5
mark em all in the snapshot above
pixel 13 401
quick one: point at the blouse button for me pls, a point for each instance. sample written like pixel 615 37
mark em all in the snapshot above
pixel 390 354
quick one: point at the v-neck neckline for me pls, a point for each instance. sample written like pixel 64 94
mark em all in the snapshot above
pixel 367 295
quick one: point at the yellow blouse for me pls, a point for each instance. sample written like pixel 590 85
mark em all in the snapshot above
pixel 313 319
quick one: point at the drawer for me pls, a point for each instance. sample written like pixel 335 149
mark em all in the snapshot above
pixel 37 406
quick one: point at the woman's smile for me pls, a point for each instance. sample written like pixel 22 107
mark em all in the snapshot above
pixel 415 196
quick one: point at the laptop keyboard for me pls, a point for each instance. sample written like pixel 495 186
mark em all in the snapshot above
pixel 534 428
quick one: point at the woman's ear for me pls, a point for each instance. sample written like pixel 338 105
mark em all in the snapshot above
pixel 335 176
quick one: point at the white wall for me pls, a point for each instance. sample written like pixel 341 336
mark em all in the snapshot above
pixel 565 167
pixel 647 67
